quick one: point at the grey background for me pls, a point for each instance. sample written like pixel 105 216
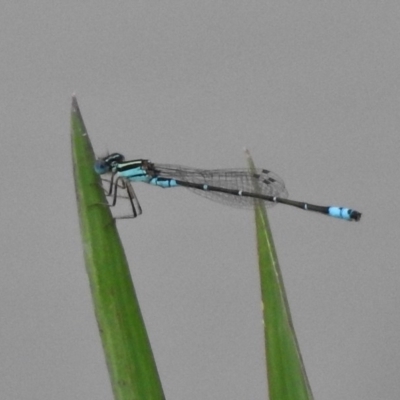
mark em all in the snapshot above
pixel 310 87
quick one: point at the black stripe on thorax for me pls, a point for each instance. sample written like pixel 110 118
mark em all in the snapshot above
pixel 131 164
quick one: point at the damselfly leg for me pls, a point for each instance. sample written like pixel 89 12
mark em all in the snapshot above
pixel 122 183
pixel 111 187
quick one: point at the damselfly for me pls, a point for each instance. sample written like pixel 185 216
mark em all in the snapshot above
pixel 235 187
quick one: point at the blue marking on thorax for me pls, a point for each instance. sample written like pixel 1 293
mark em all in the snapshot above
pixel 139 174
pixel 340 212
pixel 163 182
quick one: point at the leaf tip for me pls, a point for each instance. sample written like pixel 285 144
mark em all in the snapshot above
pixel 247 152
pixel 74 106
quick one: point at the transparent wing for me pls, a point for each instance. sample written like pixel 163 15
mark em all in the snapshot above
pixel 269 183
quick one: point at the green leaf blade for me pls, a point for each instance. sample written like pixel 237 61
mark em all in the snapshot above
pixel 128 353
pixel 287 378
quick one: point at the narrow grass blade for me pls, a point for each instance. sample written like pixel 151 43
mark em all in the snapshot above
pixel 287 379
pixel 129 358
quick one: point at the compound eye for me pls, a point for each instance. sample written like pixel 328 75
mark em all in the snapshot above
pixel 101 167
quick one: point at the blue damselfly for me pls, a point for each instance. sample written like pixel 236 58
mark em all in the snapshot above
pixel 234 187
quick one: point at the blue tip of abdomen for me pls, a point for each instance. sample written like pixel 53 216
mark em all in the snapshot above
pixel 344 213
